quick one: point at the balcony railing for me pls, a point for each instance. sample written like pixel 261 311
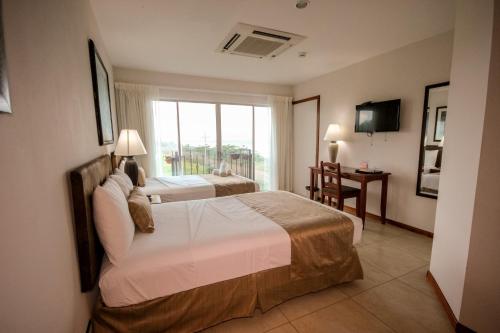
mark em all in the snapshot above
pixel 203 160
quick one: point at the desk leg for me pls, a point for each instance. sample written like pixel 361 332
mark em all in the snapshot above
pixel 383 199
pixel 362 202
pixel 311 185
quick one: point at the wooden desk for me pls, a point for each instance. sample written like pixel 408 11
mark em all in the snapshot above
pixel 363 179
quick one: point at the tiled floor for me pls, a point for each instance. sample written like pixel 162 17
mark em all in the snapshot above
pixel 393 297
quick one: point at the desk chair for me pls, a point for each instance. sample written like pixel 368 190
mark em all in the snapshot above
pixel 331 187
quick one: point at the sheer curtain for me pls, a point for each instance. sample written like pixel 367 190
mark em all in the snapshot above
pixel 135 108
pixel 281 143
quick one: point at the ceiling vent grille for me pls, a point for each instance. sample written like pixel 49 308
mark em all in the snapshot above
pixel 257 42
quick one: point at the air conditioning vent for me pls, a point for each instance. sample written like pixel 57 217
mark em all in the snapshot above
pixel 267 34
pixel 231 41
pixel 258 42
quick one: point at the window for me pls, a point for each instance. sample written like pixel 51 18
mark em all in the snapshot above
pixel 198 135
pixel 194 138
pixel 237 138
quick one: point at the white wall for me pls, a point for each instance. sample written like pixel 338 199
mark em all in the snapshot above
pixel 464 128
pixel 402 73
pixel 481 297
pixel 202 84
pixel 52 130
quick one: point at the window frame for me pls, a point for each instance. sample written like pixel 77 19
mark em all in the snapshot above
pixel 218 127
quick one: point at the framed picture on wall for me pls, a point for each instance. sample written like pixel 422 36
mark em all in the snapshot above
pixel 4 84
pixel 102 101
pixel 440 122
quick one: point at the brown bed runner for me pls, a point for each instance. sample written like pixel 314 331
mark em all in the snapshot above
pixel 231 185
pixel 321 238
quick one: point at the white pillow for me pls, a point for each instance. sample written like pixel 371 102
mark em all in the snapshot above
pixel 112 220
pixel 122 183
pixel 430 158
pixel 126 178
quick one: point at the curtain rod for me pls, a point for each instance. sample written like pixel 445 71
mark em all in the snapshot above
pixel 197 90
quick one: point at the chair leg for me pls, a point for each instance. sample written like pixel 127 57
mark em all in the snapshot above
pixel 330 201
pixel 322 199
pixel 358 208
pixel 340 204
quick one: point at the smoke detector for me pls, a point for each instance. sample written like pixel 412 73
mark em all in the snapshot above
pixel 301 4
pixel 257 42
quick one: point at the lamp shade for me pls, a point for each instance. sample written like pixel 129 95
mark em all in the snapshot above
pixel 332 133
pixel 129 144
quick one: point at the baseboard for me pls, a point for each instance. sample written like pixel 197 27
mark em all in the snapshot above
pixel 459 328
pixel 429 234
pixel 463 329
pixel 442 299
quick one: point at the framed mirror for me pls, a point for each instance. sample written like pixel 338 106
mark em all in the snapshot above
pixel 432 139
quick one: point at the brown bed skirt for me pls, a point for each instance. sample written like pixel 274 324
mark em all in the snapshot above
pixel 199 308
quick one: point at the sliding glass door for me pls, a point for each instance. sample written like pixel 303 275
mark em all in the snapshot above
pixel 193 138
pixel 198 137
pixel 237 137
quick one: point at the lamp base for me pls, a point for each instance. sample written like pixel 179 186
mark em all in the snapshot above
pixel 132 169
pixel 333 149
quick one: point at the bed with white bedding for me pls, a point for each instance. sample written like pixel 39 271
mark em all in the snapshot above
pixel 192 187
pixel 430 182
pixel 197 243
pixel 207 260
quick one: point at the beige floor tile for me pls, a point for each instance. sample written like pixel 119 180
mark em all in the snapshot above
pixel 300 306
pixel 370 237
pixel 373 277
pixel 416 245
pixel 417 279
pixel 405 309
pixel 260 322
pixel 342 317
pixel 390 260
pixel 385 229
pixel 287 328
pixel 393 296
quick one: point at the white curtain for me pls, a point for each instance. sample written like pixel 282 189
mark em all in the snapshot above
pixel 135 108
pixel 281 143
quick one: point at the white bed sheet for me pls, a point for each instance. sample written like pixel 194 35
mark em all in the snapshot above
pixel 430 181
pixel 180 188
pixel 197 243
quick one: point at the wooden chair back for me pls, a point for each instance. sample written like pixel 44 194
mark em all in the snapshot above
pixel 331 177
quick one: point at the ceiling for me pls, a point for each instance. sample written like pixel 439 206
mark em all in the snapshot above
pixel 181 36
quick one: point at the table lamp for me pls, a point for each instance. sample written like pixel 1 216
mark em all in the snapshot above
pixel 332 134
pixel 130 145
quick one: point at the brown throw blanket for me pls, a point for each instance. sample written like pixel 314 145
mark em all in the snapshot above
pixel 230 185
pixel 321 238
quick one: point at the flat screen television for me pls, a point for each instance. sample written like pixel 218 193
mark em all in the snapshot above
pixel 378 116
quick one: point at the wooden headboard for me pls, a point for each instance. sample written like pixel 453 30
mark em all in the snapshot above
pixel 84 180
